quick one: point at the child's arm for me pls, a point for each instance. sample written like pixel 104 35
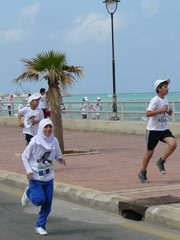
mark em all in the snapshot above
pixel 155 112
pixel 20 123
pixel 34 122
pixel 25 158
pixel 59 158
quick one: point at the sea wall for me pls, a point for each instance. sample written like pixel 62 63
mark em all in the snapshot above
pixel 130 127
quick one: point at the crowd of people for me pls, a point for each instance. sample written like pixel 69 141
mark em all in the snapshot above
pixel 9 104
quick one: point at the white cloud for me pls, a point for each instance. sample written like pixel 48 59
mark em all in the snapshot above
pixel 29 13
pixel 150 7
pixel 11 35
pixel 21 32
pixel 93 26
pixel 14 35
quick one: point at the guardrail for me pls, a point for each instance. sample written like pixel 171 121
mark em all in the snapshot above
pixel 127 110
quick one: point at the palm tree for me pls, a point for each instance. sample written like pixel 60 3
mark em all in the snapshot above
pixel 52 66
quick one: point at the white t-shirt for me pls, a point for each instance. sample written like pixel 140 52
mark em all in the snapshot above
pixel 42 102
pixel 30 114
pixel 159 121
pixel 39 161
pixel 97 106
pixel 84 108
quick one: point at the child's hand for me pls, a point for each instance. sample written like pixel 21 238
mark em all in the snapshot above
pixel 29 176
pixel 62 161
pixel 170 112
pixel 21 124
pixel 34 121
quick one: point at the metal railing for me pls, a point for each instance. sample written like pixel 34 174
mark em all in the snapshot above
pixel 127 110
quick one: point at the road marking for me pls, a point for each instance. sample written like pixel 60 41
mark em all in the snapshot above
pixel 18 154
pixel 173 208
pixel 12 173
pixel 151 231
pixel 11 191
pixel 143 190
pixel 78 187
pixel 122 197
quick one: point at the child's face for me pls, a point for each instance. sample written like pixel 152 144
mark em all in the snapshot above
pixel 34 103
pixel 47 130
pixel 164 89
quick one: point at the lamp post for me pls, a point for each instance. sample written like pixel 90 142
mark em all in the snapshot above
pixel 111 6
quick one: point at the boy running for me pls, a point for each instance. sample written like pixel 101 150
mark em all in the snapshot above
pixel 32 116
pixel 157 129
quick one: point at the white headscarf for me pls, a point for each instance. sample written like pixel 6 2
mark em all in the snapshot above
pixel 40 139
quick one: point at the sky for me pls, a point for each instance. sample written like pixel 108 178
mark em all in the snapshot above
pixel 146 38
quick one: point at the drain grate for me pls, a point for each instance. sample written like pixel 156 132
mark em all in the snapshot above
pixel 135 209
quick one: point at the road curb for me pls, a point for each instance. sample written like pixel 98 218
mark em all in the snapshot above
pixel 164 216
pixel 75 194
pixel 161 215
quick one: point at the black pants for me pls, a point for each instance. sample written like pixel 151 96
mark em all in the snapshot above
pixel 9 108
pixel 27 137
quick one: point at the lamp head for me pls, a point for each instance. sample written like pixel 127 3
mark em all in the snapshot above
pixel 111 5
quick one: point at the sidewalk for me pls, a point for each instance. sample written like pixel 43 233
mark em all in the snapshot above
pixel 102 180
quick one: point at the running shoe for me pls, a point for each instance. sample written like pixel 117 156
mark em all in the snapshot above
pixel 160 165
pixel 24 199
pixel 41 231
pixel 143 177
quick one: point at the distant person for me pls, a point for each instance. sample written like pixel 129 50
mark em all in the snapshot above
pixel 38 160
pixel 42 101
pixel 62 108
pixel 157 129
pixel 84 107
pixel 29 94
pixel 32 116
pixel 97 108
pixel 10 104
pixel 48 110
pixel 1 105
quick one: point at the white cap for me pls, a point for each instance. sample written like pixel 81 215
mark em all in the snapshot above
pixel 159 81
pixel 86 99
pixel 33 97
pixel 98 98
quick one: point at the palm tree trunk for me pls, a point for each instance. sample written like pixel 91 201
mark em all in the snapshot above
pixel 58 128
pixel 54 97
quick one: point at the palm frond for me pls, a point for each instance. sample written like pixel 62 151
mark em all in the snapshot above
pixel 53 67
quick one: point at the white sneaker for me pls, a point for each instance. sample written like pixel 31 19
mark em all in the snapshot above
pixel 24 199
pixel 40 231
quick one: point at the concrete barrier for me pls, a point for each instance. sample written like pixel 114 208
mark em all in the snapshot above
pixel 130 127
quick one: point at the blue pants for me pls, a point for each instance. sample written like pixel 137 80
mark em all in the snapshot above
pixel 41 194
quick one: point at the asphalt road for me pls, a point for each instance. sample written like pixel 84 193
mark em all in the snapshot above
pixel 71 221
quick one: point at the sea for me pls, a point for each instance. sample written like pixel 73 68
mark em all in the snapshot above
pixel 107 98
pixel 175 96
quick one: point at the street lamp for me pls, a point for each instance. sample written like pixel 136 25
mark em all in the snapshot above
pixel 111 6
